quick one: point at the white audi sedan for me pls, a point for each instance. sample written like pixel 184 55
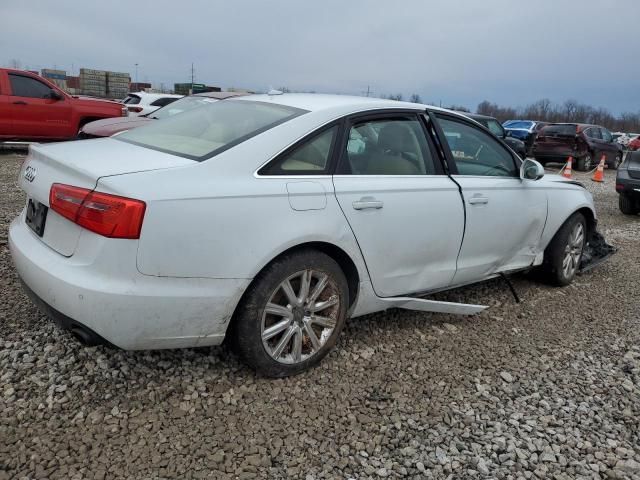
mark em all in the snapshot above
pixel 271 219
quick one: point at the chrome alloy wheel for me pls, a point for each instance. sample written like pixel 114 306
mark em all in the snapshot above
pixel 573 251
pixel 300 316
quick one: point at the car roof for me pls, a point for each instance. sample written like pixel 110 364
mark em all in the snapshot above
pixel 317 102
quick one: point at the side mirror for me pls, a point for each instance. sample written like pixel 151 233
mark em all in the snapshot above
pixel 531 170
pixel 507 133
pixel 55 95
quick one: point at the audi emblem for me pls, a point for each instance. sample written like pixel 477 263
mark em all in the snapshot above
pixel 30 174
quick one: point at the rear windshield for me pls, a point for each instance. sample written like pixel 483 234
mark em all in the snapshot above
pixel 132 100
pixel 201 133
pixel 560 130
pixel 512 124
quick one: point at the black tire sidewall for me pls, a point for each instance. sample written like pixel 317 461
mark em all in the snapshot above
pixel 246 324
pixel 554 253
pixel 628 205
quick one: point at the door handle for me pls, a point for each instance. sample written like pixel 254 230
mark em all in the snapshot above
pixel 19 102
pixel 367 202
pixel 478 200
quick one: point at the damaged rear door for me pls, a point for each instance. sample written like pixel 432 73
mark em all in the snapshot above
pixel 405 213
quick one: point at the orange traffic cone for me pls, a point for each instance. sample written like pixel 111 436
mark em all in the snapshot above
pixel 599 175
pixel 566 171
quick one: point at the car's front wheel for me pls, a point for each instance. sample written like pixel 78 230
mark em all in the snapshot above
pixel 292 314
pixel 562 256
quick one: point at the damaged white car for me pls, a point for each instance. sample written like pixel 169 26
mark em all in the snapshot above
pixel 269 220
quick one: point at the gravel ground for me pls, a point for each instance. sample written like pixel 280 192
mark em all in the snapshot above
pixel 549 388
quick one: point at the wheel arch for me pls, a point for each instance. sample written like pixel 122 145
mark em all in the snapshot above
pixel 341 257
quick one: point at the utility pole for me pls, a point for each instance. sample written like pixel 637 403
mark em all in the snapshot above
pixel 192 77
pixel 136 73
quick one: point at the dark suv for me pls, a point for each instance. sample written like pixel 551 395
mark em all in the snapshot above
pixel 498 130
pixel 585 143
pixel 628 184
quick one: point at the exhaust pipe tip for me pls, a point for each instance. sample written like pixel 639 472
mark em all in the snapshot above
pixel 84 337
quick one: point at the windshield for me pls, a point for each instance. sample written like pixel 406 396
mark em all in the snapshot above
pixel 182 105
pixel 519 124
pixel 201 133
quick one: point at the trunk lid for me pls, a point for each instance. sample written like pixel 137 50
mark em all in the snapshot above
pixel 557 139
pixel 82 164
pixel 633 164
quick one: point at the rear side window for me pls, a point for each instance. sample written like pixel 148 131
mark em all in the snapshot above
pixel 311 157
pixel 22 86
pixel 204 132
pixel 389 146
pixel 161 102
pixel 560 130
pixel 594 132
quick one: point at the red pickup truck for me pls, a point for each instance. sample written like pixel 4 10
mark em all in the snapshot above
pixel 32 108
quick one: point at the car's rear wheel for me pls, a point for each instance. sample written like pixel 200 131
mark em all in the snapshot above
pixel 292 314
pixel 562 256
pixel 617 161
pixel 585 163
pixel 628 205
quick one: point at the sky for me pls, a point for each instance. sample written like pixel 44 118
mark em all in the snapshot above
pixel 511 52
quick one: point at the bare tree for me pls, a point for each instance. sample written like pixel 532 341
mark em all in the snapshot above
pixel 15 63
pixel 415 98
pixel 569 111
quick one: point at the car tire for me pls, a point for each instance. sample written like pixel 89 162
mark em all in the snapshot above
pixel 617 161
pixel 628 205
pixel 276 341
pixel 584 164
pixel 562 256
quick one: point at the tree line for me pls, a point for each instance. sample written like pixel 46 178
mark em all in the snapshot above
pixel 571 111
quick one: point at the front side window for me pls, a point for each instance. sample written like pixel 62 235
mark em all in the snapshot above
pixel 311 157
pixel 475 152
pixel 22 86
pixel 204 132
pixel 606 135
pixel 495 128
pixel 388 147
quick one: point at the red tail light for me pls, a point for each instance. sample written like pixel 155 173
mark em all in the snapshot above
pixel 135 109
pixel 102 213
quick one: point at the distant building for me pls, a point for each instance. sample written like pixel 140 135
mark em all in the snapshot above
pixel 239 90
pixel 59 77
pixel 139 86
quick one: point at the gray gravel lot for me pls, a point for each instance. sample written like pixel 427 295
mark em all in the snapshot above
pixel 549 388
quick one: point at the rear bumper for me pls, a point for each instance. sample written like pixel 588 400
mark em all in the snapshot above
pixel 627 185
pixel 121 306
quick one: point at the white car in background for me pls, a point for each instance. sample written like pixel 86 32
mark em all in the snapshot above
pixel 271 219
pixel 143 103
